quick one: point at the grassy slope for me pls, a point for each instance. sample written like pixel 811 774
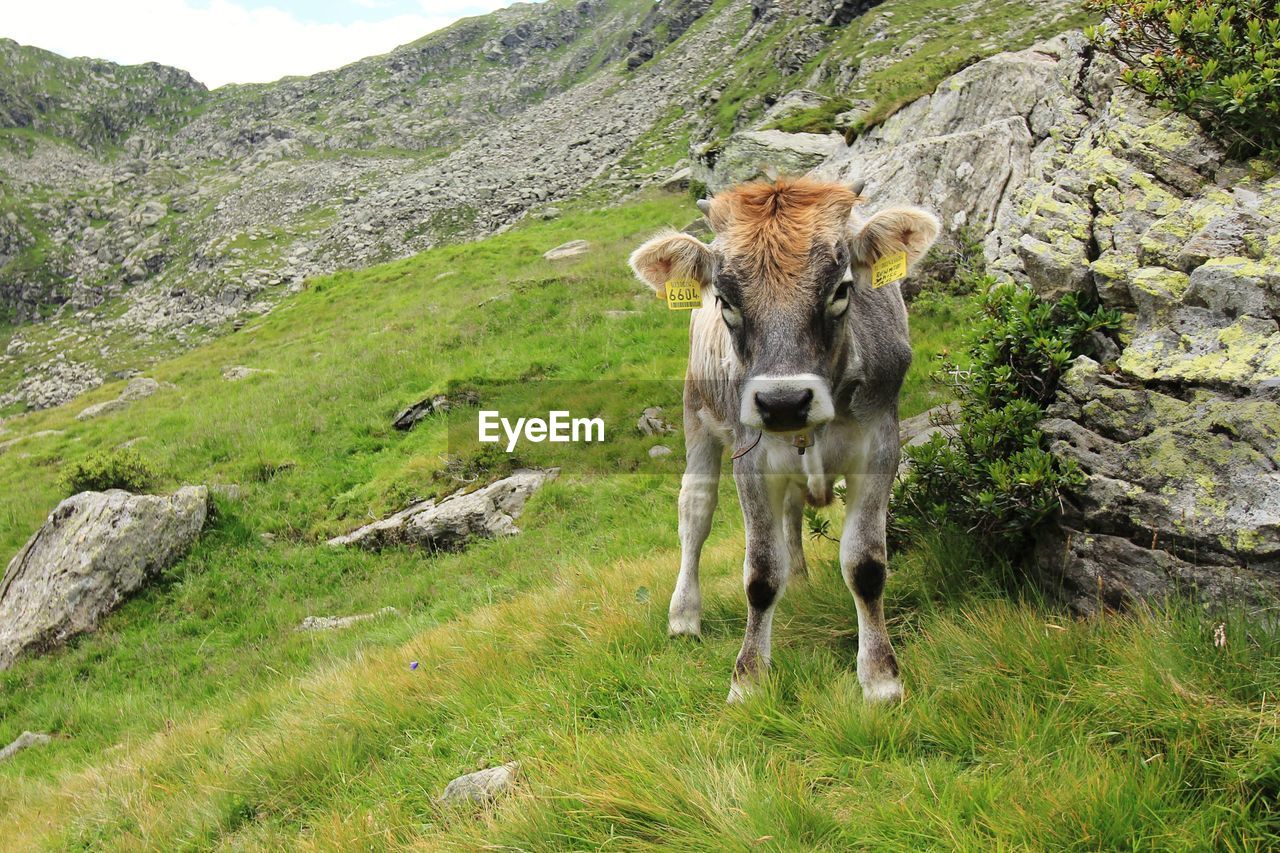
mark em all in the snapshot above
pixel 196 717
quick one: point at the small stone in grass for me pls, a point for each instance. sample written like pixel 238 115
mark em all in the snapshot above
pixel 481 786
pixel 26 740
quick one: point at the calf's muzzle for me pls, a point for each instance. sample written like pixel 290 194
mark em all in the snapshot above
pixel 784 404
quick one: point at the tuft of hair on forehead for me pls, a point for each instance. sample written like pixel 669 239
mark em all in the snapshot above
pixel 771 226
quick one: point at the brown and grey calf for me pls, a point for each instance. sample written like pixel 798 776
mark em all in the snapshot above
pixel 796 363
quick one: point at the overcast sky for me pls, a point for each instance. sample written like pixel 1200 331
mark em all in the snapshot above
pixel 231 41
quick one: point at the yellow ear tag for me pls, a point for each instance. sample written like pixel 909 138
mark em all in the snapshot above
pixel 889 269
pixel 683 294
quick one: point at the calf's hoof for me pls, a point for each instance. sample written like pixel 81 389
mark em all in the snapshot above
pixel 881 691
pixel 878 675
pixel 739 691
pixel 684 625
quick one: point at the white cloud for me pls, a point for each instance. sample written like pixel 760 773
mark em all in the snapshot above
pixel 226 42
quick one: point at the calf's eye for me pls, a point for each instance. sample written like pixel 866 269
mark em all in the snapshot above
pixel 839 299
pixel 732 316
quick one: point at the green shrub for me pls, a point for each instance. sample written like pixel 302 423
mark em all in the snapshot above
pixel 994 477
pixel 1218 62
pixel 108 469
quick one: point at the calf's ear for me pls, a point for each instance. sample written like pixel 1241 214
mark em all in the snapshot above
pixel 898 229
pixel 670 255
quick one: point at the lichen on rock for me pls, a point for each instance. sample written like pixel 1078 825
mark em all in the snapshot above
pixel 1178 437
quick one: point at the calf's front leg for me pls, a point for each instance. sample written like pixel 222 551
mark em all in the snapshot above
pixel 698 494
pixel 764 571
pixel 862 562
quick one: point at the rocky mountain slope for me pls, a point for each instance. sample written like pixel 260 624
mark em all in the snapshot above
pixel 140 213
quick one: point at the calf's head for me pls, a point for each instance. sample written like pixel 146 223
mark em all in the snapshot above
pixel 781 268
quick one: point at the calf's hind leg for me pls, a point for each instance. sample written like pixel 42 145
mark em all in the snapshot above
pixel 793 512
pixel 862 562
pixel 698 494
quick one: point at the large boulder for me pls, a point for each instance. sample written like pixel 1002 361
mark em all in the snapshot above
pixel 1182 492
pixel 963 150
pixel 1080 186
pixel 487 513
pixel 1179 433
pixel 94 550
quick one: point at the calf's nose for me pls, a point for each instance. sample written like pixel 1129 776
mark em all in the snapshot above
pixel 783 409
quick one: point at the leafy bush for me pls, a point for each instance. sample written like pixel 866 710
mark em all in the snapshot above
pixel 1216 61
pixel 108 469
pixel 994 477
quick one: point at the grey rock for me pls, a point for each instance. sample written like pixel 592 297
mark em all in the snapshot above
pixel 409 417
pixel 1097 572
pixel 481 786
pixel 1193 474
pixel 1053 271
pixel 658 451
pixel 239 372
pixel 1094 191
pixel 139 388
pixel 100 409
pixel 487 513
pixel 699 228
pixel 572 249
pixel 653 422
pixel 678 180
pixel 917 429
pixel 95 549
pixel 965 149
pixel 26 740
pixel 332 623
pixel 151 212
pixel 1233 286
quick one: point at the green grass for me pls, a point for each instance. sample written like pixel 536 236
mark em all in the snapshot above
pixel 195 717
pixel 819 119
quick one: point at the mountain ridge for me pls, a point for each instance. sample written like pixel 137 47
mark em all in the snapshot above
pixel 123 244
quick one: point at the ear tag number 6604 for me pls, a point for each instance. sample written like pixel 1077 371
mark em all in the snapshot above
pixel 683 294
